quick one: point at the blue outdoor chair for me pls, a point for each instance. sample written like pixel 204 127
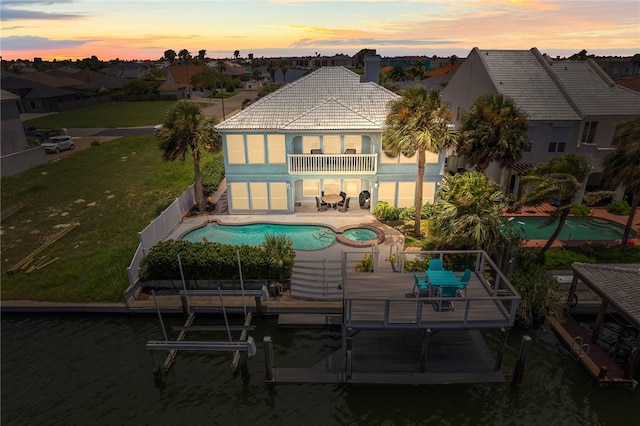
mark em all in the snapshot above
pixel 435 265
pixel 422 284
pixel 464 279
pixel 446 291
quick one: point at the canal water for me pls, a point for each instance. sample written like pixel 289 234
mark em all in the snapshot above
pixel 95 370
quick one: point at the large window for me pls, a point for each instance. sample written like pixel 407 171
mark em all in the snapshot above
pixel 276 149
pixel 235 149
pixel 259 196
pixel 557 146
pixel 278 192
pixel 255 149
pixel 589 133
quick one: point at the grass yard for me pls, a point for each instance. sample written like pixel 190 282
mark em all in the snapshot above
pixel 109 115
pixel 112 191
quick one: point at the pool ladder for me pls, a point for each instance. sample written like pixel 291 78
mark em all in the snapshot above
pixel 578 348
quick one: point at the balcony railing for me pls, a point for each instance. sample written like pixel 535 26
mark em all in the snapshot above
pixel 336 164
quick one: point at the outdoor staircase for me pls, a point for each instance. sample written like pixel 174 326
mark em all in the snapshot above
pixel 316 280
pixel 222 205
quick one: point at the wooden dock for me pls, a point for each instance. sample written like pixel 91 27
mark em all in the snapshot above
pixel 394 357
pixel 309 320
pixel 596 358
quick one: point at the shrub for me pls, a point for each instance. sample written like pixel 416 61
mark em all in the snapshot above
pixel 386 212
pixel 211 261
pixel 619 207
pixel 581 210
pixel 365 264
pixel 212 174
pixel 95 143
pixel 561 258
pixel 427 211
pixel 408 213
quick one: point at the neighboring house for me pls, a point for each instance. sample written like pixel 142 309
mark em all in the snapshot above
pixel 178 80
pixel 573 106
pixel 322 132
pixel 16 155
pixel 36 97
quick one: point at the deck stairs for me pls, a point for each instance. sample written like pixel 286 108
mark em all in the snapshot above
pixel 222 205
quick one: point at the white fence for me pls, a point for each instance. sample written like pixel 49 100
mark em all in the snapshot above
pixel 155 232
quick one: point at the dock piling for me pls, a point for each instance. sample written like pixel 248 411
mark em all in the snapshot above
pixel 524 351
pixel 268 358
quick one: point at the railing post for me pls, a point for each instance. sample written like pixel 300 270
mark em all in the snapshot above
pixel 524 351
pixel 268 358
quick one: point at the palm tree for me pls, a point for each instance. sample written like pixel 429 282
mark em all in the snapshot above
pixel 236 54
pixel 170 55
pixel 271 67
pixel 622 167
pixel 417 70
pixel 494 129
pixel 468 213
pixel 398 73
pixel 284 67
pixel 418 122
pixel 559 179
pixel 185 129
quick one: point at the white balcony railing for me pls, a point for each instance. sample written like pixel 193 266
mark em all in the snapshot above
pixel 336 164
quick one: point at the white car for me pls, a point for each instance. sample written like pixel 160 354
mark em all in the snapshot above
pixel 55 144
pixel 158 127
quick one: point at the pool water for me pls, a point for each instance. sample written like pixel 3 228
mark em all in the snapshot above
pixel 575 228
pixel 304 237
pixel 359 234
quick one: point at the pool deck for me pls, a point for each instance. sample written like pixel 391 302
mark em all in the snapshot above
pixel 598 212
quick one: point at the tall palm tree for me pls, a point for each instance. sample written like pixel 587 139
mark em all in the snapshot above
pixel 398 73
pixel 418 122
pixel 284 67
pixel 222 67
pixel 271 67
pixel 184 130
pixel 494 129
pixel 468 213
pixel 622 167
pixel 559 179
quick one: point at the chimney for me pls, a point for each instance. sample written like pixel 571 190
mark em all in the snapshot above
pixel 371 68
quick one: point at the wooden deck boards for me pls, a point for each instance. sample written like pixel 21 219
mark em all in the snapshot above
pixel 369 294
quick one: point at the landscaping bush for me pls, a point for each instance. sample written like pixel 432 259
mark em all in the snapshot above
pixel 385 212
pixel 212 174
pixel 365 264
pixel 408 213
pixel 427 211
pixel 209 261
pixel 581 210
pixel 562 258
pixel 619 207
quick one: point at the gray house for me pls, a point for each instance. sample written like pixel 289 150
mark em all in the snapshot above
pixel 573 106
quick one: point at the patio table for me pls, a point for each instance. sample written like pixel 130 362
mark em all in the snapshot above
pixel 332 199
pixel 441 278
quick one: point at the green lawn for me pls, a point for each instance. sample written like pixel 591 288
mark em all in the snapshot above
pixel 112 114
pixel 112 191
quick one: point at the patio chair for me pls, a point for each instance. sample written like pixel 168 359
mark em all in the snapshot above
pixel 321 207
pixel 464 279
pixel 350 151
pixel 344 207
pixel 316 151
pixel 446 291
pixel 436 265
pixel 421 284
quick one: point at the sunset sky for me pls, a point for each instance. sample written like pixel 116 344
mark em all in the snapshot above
pixel 144 29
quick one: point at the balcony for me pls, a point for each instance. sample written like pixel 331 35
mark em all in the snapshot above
pixel 333 164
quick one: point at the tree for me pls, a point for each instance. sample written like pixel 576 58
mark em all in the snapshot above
pixel 559 181
pixel 417 122
pixel 453 59
pixel 271 67
pixel 284 67
pixel 398 73
pixel 184 56
pixel 201 55
pixel 494 129
pixel 236 54
pixel 468 213
pixel 622 167
pixel 137 88
pixel 222 67
pixel 184 130
pixel 417 70
pixel 580 56
pixel 170 55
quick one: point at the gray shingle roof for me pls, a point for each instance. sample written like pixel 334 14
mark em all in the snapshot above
pixel 520 75
pixel 331 98
pixel 618 283
pixel 593 92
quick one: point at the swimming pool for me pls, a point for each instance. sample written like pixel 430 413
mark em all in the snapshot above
pixel 304 237
pixel 575 228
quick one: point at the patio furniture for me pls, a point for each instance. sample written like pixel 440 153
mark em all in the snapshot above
pixel 321 206
pixel 441 278
pixel 435 265
pixel 421 285
pixel 446 291
pixel 350 151
pixel 316 151
pixel 332 199
pixel 364 198
pixel 344 207
pixel 464 279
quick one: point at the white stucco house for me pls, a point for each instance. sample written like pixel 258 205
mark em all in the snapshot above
pixel 322 132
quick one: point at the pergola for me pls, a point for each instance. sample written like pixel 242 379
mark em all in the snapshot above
pixel 618 285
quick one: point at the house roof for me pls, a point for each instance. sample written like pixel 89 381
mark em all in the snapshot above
pixel 28 89
pixel 593 91
pixel 522 76
pixel 632 83
pixel 51 80
pixel 331 98
pixel 619 284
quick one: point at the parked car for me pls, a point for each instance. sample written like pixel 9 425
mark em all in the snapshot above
pixel 158 127
pixel 56 144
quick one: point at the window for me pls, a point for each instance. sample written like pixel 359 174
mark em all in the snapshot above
pixel 557 146
pixel 276 149
pixel 235 149
pixel 255 149
pixel 589 133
